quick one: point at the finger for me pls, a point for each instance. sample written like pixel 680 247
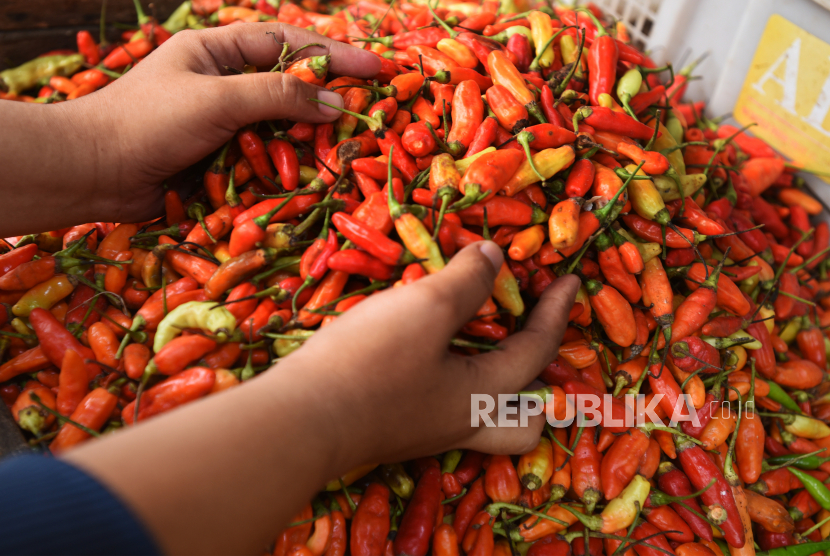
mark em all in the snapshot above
pixel 507 440
pixel 257 44
pixel 461 288
pixel 270 96
pixel 525 354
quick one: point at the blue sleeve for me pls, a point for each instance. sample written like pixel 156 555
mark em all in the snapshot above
pixel 51 507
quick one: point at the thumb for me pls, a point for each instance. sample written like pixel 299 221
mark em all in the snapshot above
pixel 274 96
pixel 460 289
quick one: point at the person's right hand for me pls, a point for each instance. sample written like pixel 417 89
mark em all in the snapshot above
pixel 396 392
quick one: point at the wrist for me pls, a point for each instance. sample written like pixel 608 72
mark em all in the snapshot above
pixel 316 416
pixel 90 165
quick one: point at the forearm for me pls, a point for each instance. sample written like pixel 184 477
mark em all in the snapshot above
pixel 242 463
pixel 49 157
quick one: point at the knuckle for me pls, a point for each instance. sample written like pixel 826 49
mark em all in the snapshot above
pixel 287 88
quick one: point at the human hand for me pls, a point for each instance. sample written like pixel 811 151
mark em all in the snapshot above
pixel 396 392
pixel 180 104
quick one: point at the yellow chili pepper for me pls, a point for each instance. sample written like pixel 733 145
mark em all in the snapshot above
pixel 824 529
pixel 22 328
pixel 734 358
pixel 536 467
pixel 764 313
pixel 541 30
pixel 548 162
pixel 413 232
pixel 221 251
pixel 570 51
pixel 45 295
pixel 506 292
pixel 608 101
pixel 790 330
pixel 621 511
pixel 806 427
pixel 645 198
pixel 207 315
pixel 648 250
pixel 668 187
pixel 465 57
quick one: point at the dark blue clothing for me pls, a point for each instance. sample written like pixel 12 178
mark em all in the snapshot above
pixel 50 507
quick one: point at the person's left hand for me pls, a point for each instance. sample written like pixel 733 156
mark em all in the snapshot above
pixel 181 104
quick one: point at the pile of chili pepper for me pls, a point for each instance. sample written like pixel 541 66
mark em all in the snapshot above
pixel 703 262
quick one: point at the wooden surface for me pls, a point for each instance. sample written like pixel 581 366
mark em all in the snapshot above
pixel 31 27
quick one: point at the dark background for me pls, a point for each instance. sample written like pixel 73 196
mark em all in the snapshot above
pixel 29 28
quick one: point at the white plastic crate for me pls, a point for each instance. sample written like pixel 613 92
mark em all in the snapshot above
pixel 729 33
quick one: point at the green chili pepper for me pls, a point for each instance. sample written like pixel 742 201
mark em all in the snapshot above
pixel 451 461
pixel 776 393
pixel 808 462
pixel 675 127
pixel 41 69
pixel 797 549
pixel 178 19
pixel 816 488
pixel 289 342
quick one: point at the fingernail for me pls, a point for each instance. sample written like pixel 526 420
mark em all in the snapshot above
pixel 332 98
pixel 492 252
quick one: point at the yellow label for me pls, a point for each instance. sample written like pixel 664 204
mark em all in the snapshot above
pixel 787 93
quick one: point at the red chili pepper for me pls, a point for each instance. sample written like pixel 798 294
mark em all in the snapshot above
pixel 417 140
pixel 602 59
pixel 617 409
pixel 688 352
pixel 418 520
pixel 468 115
pixel 78 307
pixel 353 261
pixel 376 243
pixel 509 111
pixel 673 482
pixel 645 99
pixel 181 351
pixel 285 160
pixel 73 383
pixel 421 37
pixel 488 174
pixel 88 47
pixel 179 389
pixel 605 119
pixel 16 257
pixel 519 46
pixel 129 53
pixel 370 524
pixel 55 340
pixel 656 544
pixel 93 412
pixel 501 482
pixel 700 470
pixel 580 179
pixel 586 468
pixel 764 213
